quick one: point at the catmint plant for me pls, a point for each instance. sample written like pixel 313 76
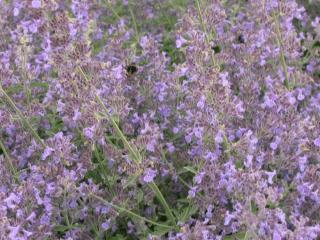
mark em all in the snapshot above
pixel 173 119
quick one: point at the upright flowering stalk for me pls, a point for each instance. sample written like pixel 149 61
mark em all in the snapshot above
pixel 167 119
pixel 138 160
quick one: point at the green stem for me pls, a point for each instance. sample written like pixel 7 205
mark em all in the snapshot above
pixel 135 154
pixel 22 117
pixel 282 55
pixel 83 74
pixel 134 21
pixel 130 213
pixel 162 200
pixel 25 76
pixel 112 9
pixel 204 29
pixel 9 162
pixel 105 173
pixel 138 159
pixel 201 19
pixel 65 212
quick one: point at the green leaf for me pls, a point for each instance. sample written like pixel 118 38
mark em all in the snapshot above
pixel 118 237
pixel 190 169
pixel 61 228
pixel 131 181
pixel 39 84
pixel 98 45
pixel 271 205
pixel 160 231
pixel 316 44
pixel 139 196
pixel 121 209
pixel 254 207
pixel 239 164
pixel 14 89
pixel 236 236
pixel 64 228
pixel 187 212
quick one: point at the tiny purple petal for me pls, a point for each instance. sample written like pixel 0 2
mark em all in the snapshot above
pixel 248 162
pixel 47 152
pixel 16 11
pixel 317 142
pixel 199 177
pixel 149 175
pixel 36 3
pixel 180 42
pixel 192 192
pixel 89 132
pixel 144 42
pixel 228 218
pixel 273 145
pixel 201 102
pixel 106 225
pixel 151 145
pixel 77 115
pixel 270 176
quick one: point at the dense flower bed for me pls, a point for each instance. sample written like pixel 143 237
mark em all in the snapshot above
pixel 159 120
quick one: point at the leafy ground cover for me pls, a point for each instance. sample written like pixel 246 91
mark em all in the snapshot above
pixel 159 119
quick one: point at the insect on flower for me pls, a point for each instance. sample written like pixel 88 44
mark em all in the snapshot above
pixel 241 39
pixel 131 69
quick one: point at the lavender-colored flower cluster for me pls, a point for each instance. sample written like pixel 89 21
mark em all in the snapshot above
pixel 146 119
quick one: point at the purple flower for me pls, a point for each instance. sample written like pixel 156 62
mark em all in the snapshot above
pixel 198 178
pixel 118 72
pixel 300 96
pixel 170 147
pixel 151 145
pixel 144 42
pixel 192 192
pixel 180 41
pixel 188 138
pixel 16 11
pixel 31 217
pixel 269 102
pixel 106 225
pixel 89 132
pixel 302 163
pixel 292 100
pixel 316 142
pixel 276 234
pixel 219 137
pixel 36 3
pixel 248 161
pixel 149 175
pixel 275 143
pixel 12 200
pixel 76 115
pixel 45 219
pixel 224 79
pixel 47 152
pixel 270 176
pixel 198 132
pixel 228 217
pixel 201 102
pixel 33 27
pixel 60 106
pixel 37 196
pixel 14 231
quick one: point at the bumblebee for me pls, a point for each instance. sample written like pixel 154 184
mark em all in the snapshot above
pixel 241 39
pixel 131 70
